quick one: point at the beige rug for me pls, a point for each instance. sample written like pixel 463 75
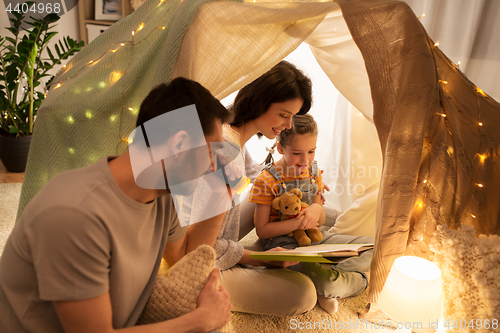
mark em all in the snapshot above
pixel 9 200
pixel 317 320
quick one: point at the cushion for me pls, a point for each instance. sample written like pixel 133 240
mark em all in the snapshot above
pixel 176 291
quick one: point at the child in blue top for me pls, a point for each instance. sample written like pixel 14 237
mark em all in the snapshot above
pixel 297 169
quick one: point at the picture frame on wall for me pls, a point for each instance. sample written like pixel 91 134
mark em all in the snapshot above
pixel 108 10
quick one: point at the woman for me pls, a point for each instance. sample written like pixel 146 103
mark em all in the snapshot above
pixel 264 107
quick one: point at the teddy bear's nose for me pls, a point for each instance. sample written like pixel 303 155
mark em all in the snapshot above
pixel 286 207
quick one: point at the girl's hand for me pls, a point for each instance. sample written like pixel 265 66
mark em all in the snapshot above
pixel 311 216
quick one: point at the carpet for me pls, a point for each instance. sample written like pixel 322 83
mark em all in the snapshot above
pixel 9 201
pixel 316 320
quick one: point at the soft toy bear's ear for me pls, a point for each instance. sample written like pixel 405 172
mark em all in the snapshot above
pixel 297 192
pixel 276 203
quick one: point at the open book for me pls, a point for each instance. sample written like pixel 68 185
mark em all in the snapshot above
pixel 327 253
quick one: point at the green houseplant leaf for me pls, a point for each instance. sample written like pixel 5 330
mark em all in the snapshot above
pixel 26 62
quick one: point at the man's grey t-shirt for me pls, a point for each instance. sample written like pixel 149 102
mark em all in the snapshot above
pixel 78 238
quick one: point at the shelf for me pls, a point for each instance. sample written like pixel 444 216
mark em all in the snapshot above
pixel 86 15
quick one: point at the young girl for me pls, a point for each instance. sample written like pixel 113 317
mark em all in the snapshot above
pixel 297 169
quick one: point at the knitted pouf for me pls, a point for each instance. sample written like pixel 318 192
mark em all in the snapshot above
pixel 470 269
pixel 176 292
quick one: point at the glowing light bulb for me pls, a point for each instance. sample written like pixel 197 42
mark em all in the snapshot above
pixel 113 118
pixel 133 33
pixel 140 27
pixel 458 63
pixel 425 181
pixel 421 16
pixel 71 150
pixel 480 91
pixel 102 84
pixel 70 120
pixel 58 85
pixel 115 76
pixel 482 157
pixel 480 124
pixel 131 109
pixel 442 81
pixel 436 44
pixel 479 185
pixel 88 114
pixel 473 216
pixel 122 44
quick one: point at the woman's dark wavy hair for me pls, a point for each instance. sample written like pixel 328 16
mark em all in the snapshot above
pixel 281 83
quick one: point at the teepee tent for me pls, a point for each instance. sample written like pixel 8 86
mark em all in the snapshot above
pixel 437 130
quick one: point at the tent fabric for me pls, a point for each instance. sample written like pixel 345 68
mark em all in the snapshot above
pixel 94 101
pixel 438 136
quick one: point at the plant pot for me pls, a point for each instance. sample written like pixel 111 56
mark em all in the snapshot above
pixel 14 152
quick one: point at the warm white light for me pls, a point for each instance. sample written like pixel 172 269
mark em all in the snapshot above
pixel 425 181
pixel 480 91
pixel 445 82
pixel 479 185
pixel 421 16
pixel 458 64
pixel 412 292
pixel 436 44
pixel 480 124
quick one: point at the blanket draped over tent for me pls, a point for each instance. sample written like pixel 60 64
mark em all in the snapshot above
pixel 437 130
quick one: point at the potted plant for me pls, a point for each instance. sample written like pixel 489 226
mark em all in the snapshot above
pixel 25 62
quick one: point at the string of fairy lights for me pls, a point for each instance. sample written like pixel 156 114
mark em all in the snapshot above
pixel 480 157
pixel 115 76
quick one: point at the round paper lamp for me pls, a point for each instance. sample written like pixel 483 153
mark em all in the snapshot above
pixel 412 292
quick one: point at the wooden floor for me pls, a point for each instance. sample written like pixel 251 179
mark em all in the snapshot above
pixel 10 177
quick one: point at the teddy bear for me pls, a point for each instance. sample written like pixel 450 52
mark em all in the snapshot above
pixel 289 205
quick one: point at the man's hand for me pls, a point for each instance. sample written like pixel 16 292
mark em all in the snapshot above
pixel 214 305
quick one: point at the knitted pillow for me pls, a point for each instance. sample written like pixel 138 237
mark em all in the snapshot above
pixel 470 269
pixel 176 291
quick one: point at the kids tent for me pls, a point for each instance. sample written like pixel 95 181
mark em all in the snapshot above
pixel 437 130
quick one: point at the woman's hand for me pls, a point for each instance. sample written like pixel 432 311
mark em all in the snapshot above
pixel 246 259
pixel 232 170
pixel 311 216
pixel 327 188
pixel 276 263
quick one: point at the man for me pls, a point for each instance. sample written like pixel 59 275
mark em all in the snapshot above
pixel 84 255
